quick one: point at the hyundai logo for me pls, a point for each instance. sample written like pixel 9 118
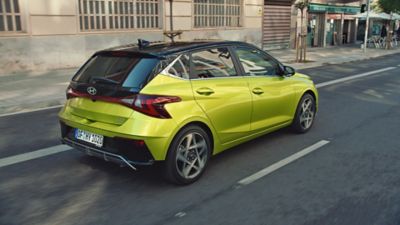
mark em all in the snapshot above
pixel 91 90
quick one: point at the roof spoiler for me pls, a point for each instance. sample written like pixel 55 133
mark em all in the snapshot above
pixel 122 53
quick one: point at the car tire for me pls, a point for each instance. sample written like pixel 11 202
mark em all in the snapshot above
pixel 187 155
pixel 305 114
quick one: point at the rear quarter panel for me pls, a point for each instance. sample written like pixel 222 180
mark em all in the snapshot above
pixel 184 112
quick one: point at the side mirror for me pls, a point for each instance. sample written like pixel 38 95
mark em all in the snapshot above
pixel 289 71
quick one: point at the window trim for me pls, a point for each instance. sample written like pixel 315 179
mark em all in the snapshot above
pixel 167 68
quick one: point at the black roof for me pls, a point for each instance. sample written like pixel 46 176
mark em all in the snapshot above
pixel 160 49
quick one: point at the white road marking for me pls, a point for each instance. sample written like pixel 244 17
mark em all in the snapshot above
pixel 29 111
pixel 264 172
pixel 33 155
pixel 180 214
pixel 331 82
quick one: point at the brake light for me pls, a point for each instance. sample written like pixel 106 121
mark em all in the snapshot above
pixel 71 93
pixel 153 105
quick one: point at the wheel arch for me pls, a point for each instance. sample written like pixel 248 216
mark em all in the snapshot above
pixel 314 95
pixel 311 91
pixel 205 127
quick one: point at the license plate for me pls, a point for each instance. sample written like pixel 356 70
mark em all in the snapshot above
pixel 89 137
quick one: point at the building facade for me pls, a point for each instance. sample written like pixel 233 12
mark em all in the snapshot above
pixel 49 34
pixel 332 24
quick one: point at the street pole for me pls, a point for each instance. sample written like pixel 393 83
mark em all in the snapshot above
pixel 171 20
pixel 366 27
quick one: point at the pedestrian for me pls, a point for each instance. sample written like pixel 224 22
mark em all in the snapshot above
pixel 398 33
pixel 383 31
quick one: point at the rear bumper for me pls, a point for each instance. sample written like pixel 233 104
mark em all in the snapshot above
pixel 118 150
pixel 107 156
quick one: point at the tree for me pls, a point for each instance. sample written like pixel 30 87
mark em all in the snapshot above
pixel 389 6
pixel 301 41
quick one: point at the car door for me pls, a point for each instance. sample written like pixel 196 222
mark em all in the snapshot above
pixel 223 95
pixel 273 95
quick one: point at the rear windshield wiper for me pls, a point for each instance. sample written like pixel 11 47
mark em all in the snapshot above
pixel 104 80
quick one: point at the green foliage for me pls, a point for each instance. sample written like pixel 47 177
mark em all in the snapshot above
pixel 301 4
pixel 388 6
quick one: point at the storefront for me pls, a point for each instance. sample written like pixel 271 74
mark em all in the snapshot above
pixel 331 25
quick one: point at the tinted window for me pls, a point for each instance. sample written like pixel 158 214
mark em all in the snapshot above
pixel 256 63
pixel 213 63
pixel 126 71
pixel 140 72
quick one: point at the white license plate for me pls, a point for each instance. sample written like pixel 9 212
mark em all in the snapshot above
pixel 89 137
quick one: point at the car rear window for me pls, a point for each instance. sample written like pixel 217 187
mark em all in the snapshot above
pixel 125 71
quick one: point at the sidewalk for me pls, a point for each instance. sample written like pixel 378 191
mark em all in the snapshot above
pixel 29 91
pixel 330 55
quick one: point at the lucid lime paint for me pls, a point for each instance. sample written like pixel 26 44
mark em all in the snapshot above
pixel 251 115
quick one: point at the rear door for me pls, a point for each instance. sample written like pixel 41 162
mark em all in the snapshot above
pixel 223 95
pixel 272 93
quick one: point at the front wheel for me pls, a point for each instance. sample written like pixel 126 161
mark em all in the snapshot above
pixel 188 155
pixel 305 114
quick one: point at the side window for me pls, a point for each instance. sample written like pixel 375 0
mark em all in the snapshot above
pixel 215 62
pixel 180 67
pixel 255 63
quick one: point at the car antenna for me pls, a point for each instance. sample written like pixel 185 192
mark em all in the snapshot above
pixel 143 43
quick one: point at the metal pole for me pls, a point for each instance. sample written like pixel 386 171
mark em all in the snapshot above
pixel 171 20
pixel 366 27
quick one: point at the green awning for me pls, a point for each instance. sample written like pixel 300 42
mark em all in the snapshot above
pixel 333 8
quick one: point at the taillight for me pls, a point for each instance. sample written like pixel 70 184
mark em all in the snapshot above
pixel 153 105
pixel 71 93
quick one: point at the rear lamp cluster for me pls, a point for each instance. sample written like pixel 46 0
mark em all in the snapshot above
pixel 151 105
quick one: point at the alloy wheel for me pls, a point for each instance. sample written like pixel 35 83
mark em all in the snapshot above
pixel 307 113
pixel 192 155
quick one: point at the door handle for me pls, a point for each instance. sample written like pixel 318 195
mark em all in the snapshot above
pixel 205 91
pixel 258 91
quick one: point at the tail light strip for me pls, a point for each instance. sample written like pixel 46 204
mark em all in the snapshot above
pixel 151 105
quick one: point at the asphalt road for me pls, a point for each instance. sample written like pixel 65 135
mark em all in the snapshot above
pixel 352 180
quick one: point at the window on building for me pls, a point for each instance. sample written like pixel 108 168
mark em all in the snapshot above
pixel 217 13
pixel 119 14
pixel 10 16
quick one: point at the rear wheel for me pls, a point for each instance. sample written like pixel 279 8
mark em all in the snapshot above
pixel 305 114
pixel 188 155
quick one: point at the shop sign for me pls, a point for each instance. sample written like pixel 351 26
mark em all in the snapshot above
pixel 339 17
pixel 333 9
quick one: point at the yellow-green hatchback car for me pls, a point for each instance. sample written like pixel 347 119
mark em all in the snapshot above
pixel 181 103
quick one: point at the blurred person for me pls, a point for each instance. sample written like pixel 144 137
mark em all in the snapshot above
pixel 398 32
pixel 383 31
